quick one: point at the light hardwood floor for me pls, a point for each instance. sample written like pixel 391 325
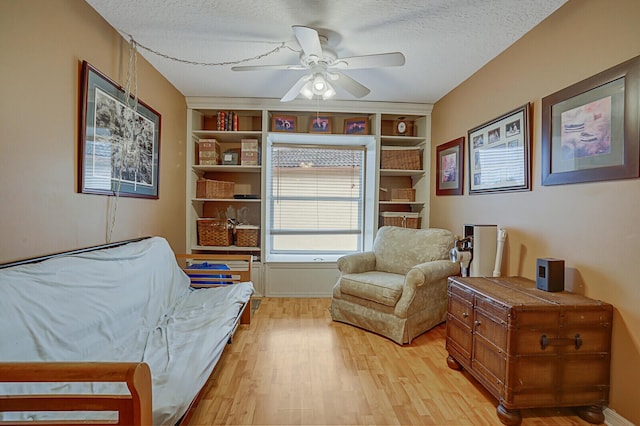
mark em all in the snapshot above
pixel 294 366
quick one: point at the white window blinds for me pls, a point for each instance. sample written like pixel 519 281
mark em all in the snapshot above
pixel 315 198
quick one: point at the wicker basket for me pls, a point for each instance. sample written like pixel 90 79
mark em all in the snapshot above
pixel 400 159
pixel 214 232
pixel 403 194
pixel 207 188
pixel 401 219
pixel 247 235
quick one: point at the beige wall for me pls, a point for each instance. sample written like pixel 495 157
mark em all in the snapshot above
pixel 593 226
pixel 42 44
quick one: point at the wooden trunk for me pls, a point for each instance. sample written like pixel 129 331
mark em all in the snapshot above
pixel 530 348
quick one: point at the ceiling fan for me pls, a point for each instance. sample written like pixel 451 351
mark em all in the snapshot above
pixel 326 67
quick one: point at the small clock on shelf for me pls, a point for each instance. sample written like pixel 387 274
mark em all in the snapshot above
pixel 402 127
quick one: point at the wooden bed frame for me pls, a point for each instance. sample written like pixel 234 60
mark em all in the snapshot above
pixel 135 408
pixel 239 272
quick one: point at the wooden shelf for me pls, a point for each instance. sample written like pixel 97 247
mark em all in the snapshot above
pixel 411 141
pixel 397 172
pixel 225 248
pixel 226 168
pixel 227 200
pixel 412 203
pixel 225 136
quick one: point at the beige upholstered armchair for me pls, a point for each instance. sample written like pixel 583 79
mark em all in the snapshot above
pixel 398 290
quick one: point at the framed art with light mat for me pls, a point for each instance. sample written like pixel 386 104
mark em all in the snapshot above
pixel 499 159
pixel 590 130
pixel 119 140
pixel 450 167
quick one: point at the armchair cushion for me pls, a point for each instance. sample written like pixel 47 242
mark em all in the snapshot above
pixel 397 250
pixel 380 287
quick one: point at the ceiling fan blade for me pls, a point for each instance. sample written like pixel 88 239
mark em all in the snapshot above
pixel 295 89
pixel 393 59
pixel 295 67
pixel 309 40
pixel 349 84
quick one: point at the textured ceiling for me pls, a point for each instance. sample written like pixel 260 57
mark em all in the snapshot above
pixel 444 41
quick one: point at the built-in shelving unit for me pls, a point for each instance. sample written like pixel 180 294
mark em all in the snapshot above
pixel 255 120
pixel 204 126
pixel 414 138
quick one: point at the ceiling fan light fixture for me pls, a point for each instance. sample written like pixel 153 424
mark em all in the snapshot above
pixel 319 84
pixel 307 91
pixel 317 87
pixel 329 93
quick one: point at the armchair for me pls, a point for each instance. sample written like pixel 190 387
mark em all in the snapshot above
pixel 399 289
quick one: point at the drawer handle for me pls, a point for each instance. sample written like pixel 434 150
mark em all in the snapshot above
pixel 465 315
pixel 545 341
pixel 477 323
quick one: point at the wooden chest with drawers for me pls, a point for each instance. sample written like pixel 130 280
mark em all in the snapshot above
pixel 530 348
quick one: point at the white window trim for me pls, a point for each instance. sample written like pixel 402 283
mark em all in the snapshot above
pixel 368 207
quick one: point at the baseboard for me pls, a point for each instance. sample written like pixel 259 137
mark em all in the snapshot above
pixel 612 418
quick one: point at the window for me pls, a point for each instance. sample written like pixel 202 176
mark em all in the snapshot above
pixel 316 197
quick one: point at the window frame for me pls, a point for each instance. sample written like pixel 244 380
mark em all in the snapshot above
pixel 368 142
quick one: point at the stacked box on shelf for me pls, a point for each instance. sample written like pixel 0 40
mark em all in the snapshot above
pixel 208 152
pixel 249 152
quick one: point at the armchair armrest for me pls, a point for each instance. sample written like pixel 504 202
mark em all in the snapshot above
pixel 432 271
pixel 356 263
pixel 133 409
pixel 418 276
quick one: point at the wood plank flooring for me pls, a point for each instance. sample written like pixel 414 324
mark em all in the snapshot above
pixel 294 366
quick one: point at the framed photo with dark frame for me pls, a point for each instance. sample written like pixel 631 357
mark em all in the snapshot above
pixel 119 152
pixel 284 123
pixel 356 126
pixel 590 130
pixel 319 124
pixel 450 167
pixel 499 158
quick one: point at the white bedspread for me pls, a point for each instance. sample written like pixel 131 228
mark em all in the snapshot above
pixel 130 303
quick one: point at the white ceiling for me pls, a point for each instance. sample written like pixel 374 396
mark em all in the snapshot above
pixel 444 41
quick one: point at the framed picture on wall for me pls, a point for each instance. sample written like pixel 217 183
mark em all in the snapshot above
pixel 449 167
pixel 499 158
pixel 356 126
pixel 319 124
pixel 284 123
pixel 590 129
pixel 119 152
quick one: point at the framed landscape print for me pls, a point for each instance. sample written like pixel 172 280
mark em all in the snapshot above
pixel 499 153
pixel 449 167
pixel 590 130
pixel 119 152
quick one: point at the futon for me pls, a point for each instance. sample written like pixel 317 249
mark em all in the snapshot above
pixel 130 303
